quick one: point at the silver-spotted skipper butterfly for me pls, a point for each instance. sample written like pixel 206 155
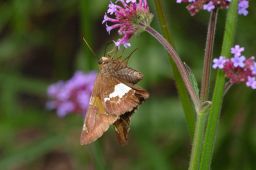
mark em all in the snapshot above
pixel 113 100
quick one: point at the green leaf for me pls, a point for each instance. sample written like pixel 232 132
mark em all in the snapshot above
pixel 192 79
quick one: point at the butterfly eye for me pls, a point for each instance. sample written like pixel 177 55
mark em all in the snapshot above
pixel 103 60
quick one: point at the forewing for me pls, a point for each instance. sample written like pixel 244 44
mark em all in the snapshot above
pixel 112 101
pixel 97 120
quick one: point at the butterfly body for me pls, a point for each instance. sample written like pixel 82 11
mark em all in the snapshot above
pixel 113 100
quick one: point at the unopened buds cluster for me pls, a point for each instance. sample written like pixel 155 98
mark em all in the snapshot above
pixel 209 5
pixel 238 69
pixel 128 17
pixel 71 96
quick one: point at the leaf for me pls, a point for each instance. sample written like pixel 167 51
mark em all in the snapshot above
pixel 192 79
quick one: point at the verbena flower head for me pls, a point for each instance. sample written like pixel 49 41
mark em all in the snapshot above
pixel 71 96
pixel 238 69
pixel 127 16
pixel 194 6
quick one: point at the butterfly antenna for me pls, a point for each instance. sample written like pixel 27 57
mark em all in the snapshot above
pixel 90 48
pixel 129 56
pixel 117 54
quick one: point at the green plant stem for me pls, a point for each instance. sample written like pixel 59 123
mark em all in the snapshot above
pixel 176 59
pixel 205 84
pixel 204 93
pixel 184 97
pixel 208 146
pixel 198 141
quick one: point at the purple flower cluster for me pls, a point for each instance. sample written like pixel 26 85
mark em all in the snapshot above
pixel 209 5
pixel 127 16
pixel 72 95
pixel 238 69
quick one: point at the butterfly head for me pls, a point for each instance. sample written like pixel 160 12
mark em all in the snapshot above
pixel 104 60
pixel 108 64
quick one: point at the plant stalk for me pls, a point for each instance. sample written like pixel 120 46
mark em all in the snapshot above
pixel 205 84
pixel 213 119
pixel 183 95
pixel 175 57
pixel 198 141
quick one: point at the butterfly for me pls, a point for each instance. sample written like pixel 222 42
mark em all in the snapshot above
pixel 114 99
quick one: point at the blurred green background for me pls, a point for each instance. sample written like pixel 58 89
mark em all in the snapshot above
pixel 41 43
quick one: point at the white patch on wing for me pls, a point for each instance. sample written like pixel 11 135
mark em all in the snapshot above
pixel 119 91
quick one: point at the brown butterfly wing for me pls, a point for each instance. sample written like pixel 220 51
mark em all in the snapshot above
pixel 122 125
pixel 122 128
pixel 97 120
pixel 121 97
pixel 122 105
pixel 106 109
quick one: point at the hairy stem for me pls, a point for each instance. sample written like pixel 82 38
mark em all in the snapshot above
pixel 198 141
pixel 212 124
pixel 205 84
pixel 175 57
pixel 183 95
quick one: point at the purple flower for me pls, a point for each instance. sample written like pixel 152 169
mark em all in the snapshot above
pixel 237 50
pixel 194 6
pixel 243 7
pixel 111 8
pixel 64 108
pixel 238 61
pixel 251 82
pixel 238 69
pixel 209 7
pixel 54 89
pixel 219 62
pixel 128 17
pixel 254 68
pixel 72 95
pixel 83 99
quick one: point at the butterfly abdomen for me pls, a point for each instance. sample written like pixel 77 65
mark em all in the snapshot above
pixel 129 75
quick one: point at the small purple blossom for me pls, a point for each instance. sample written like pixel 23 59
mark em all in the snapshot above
pixel 238 61
pixel 238 69
pixel 251 82
pixel 209 7
pixel 71 95
pixel 65 108
pixel 128 17
pixel 254 68
pixel 54 89
pixel 237 50
pixel 243 7
pixel 219 62
pixel 111 8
